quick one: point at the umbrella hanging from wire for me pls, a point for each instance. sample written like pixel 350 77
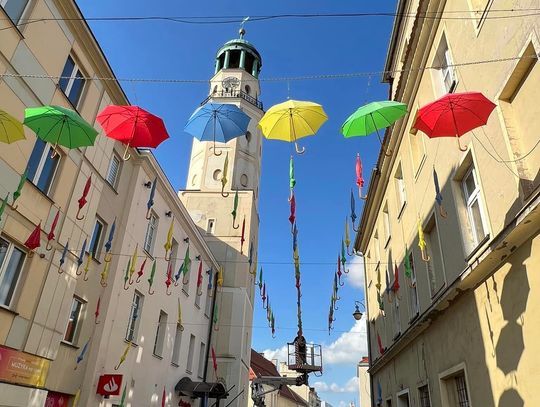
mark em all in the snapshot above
pixel 395 284
pixel 50 235
pixel 438 195
pixel 234 211
pixel 242 235
pixel 163 397
pixel 422 242
pixel 123 399
pixel 292 120
pixel 220 277
pixel 224 176
pixel 292 216
pixel 453 115
pixel 379 342
pixel 82 354
pixel 339 273
pixel 11 129
pixel 63 258
pixel 126 275
pixel 199 280
pixel 353 213
pixel 108 244
pixel 210 273
pixel 292 179
pixel 373 117
pixel 151 278
pixel 260 284
pixel 82 200
pixel 3 206
pixel 343 256
pixel 214 360
pixel 18 191
pixel 359 176
pixel 133 264
pixel 132 126
pixel 87 266
pixel 348 238
pixel 263 295
pixel 253 270
pixel 150 202
pixel 217 122
pixel 96 313
pixel 141 270
pixel 34 240
pixel 104 275
pixel 168 243
pixel 123 357
pixel 216 317
pixel 168 281
pixel 186 267
pixel 179 320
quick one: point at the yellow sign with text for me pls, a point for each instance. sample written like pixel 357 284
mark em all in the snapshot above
pixel 22 368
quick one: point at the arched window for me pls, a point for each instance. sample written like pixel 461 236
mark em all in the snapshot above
pixel 217 175
pixel 244 180
pixel 248 89
pixel 248 136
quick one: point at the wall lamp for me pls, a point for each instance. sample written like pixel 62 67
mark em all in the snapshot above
pixel 148 184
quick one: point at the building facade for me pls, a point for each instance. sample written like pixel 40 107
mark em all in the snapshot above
pixel 364 385
pixel 456 329
pixel 70 316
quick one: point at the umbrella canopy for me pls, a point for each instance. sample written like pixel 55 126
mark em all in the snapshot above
pixel 33 241
pixel 454 114
pixel 11 129
pixel 292 120
pixel 132 126
pixel 217 122
pixel 58 125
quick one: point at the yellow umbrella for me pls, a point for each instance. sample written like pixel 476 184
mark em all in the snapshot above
pixel 292 120
pixel 11 129
pixel 168 243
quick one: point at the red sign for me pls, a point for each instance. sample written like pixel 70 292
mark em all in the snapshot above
pixel 109 384
pixel 55 399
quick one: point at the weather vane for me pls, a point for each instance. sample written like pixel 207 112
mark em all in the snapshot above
pixel 242 31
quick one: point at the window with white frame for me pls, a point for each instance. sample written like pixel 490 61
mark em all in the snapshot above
pixel 191 349
pixel 75 321
pixel 14 9
pixel 413 293
pixel 113 172
pixel 72 81
pixel 11 264
pixel 446 71
pixel 160 334
pixel 434 266
pixel 150 233
pixel 454 389
pixel 134 317
pixel 473 202
pixel 176 347
pixel 423 395
pixel 400 188
pixel 386 223
pixel 96 241
pixel 41 166
pixel 202 359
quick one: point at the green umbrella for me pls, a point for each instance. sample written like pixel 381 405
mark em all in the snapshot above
pixel 17 193
pixel 292 179
pixel 126 275
pixel 260 279
pixel 151 278
pixel 343 252
pixel 58 125
pixel 373 117
pixel 408 265
pixel 3 206
pixel 123 400
pixel 235 210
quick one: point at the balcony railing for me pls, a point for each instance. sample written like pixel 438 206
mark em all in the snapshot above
pixel 235 94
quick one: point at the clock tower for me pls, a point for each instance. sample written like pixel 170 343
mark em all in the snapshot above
pixel 235 81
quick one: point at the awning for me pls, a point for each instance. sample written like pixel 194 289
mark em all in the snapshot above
pixel 187 387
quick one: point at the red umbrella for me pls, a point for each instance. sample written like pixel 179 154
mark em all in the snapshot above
pixel 50 236
pixel 199 280
pixel 97 310
pixel 168 282
pixel 132 126
pixel 214 360
pixel 454 114
pixel 379 342
pixel 163 397
pixel 395 286
pixel 292 217
pixel 242 238
pixel 34 240
pixel 82 200
pixel 359 177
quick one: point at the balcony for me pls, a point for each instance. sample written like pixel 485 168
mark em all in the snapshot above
pixel 234 94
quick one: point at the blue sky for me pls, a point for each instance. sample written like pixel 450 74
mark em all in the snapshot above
pixel 325 174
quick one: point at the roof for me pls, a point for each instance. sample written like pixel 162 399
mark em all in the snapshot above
pixel 393 40
pixel 260 366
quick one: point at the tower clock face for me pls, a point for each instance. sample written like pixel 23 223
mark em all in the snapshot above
pixel 231 82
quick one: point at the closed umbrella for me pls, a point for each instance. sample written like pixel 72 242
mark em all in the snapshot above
pixel 11 129
pixel 292 216
pixel 105 274
pixel 186 267
pixel 199 280
pixel 132 126
pixel 151 278
pixel 395 285
pixel 214 360
pixel 82 200
pixel 234 211
pixel 126 275
pixel 438 195
pixel 168 281
pixel 108 244
pixel 17 192
pixel 260 280
pixel 3 206
pixel 141 270
pixel 123 399
pixel 163 397
pixel 168 244
pixel 242 236
pixel 50 235
pixel 179 320
pixel 224 176
pixel 96 313
pixel 150 202
pixel 63 258
pixel 82 354
pixel 359 176
pixel 379 342
pixel 123 359
pixel 87 266
pixel 353 211
pixel 34 240
pixel 133 264
pixel 422 242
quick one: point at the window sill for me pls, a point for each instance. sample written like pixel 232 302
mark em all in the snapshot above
pixel 387 241
pixel 185 292
pixel 414 318
pixel 437 292
pixel 7 309
pixel 396 336
pixel 69 344
pixel 134 344
pixel 207 316
pixel 477 248
pixel 10 21
pixel 41 192
pixel 197 306
pixel 174 364
pixel 157 356
pixel 111 186
pixel 148 254
pixel 189 372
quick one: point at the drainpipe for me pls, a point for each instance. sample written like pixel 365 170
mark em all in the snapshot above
pixel 204 400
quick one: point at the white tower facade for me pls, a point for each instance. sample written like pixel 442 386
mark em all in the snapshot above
pixel 235 81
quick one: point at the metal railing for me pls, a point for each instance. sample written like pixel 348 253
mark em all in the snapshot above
pixel 235 94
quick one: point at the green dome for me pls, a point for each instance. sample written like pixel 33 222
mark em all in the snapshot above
pixel 239 54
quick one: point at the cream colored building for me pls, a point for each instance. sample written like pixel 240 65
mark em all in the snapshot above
pixel 307 393
pixel 364 385
pixel 461 330
pixel 47 318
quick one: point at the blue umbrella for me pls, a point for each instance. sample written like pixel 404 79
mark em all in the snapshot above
pixel 250 259
pixel 353 214
pixel 81 258
pixel 108 245
pixel 438 195
pixel 295 237
pixel 217 122
pixel 210 274
pixel 63 258
pixel 150 202
pixel 80 357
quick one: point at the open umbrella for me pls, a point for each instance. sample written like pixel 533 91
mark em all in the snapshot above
pixel 17 192
pixel 34 240
pixel 151 278
pixel 359 176
pixel 217 122
pixel 292 120
pixel 150 202
pixel 373 117
pixel 132 126
pixel 235 209
pixel 3 206
pixel 453 115
pixel 82 200
pixel 11 129
pixel 60 126
pixel 108 244
pixel 50 235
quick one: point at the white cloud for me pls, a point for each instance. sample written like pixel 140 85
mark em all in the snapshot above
pixel 349 347
pixel 350 387
pixel 281 354
pixel 356 272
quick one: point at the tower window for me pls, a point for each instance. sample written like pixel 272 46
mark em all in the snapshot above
pixel 244 180
pixel 248 134
pixel 216 175
pixel 234 61
pixel 248 64
pixel 211 226
pixel 215 89
pixel 248 89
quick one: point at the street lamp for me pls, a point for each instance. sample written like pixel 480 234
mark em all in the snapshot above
pixel 357 314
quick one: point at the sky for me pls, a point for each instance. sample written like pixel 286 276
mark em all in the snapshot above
pixel 325 173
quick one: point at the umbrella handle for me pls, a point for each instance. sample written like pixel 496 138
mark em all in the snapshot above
pixel 341 283
pixel 138 280
pixel 356 230
pixel 223 193
pixel 118 366
pixel 103 282
pixel 425 256
pixel 48 247
pixel 85 278
pixel 199 292
pixel 126 288
pixel 148 212
pixel 216 327
pixel 97 322
pixel 181 328
pixel 77 272
pixel 60 271
pixel 363 197
pixel 167 291
pixel 349 253
pixel 126 155
pixel 443 212
pixel 461 148
pixel 130 281
pixel 220 152
pixel 184 281
pixel 54 152
pixel 235 227
pixel 13 206
pixel 107 258
pixel 299 150
pixel 77 215
pixel 346 271
pixel 388 153
pixel 167 256
pixel 150 292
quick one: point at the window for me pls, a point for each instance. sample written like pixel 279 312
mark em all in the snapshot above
pixel 95 242
pixel 418 149
pixel 114 170
pixel 247 88
pixel 134 317
pixel 74 322
pixel 434 266
pixel 400 189
pixel 150 233
pixel 72 81
pixel 389 403
pixel 403 399
pixel 244 180
pixel 472 199
pixel 413 293
pixel 248 136
pixel 446 73
pixel 202 359
pixel 11 262
pixel 376 248
pixel 386 222
pixel 14 9
pixel 423 394
pixel 210 226
pixel 160 334
pixel 41 167
pixel 176 347
pixel 217 175
pixel 191 348
pixel 461 390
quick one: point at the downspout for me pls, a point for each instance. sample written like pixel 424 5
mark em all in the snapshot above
pixel 204 400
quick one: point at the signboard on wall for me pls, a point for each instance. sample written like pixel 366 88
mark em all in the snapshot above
pixel 109 384
pixel 22 368
pixel 55 399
